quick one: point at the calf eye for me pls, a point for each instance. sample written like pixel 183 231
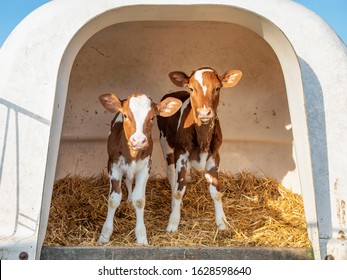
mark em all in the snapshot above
pixel 125 116
pixel 191 89
pixel 217 89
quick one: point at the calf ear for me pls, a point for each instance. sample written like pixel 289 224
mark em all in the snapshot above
pixel 111 102
pixel 168 106
pixel 180 79
pixel 231 78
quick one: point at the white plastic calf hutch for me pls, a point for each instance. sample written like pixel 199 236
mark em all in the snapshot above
pixel 286 118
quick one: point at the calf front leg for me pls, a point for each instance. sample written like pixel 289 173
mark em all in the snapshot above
pixel 129 184
pixel 170 161
pixel 216 193
pixel 139 201
pixel 178 190
pixel 114 200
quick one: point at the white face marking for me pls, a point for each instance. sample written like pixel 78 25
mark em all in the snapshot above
pixel 198 76
pixel 139 106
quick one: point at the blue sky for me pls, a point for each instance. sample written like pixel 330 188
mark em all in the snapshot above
pixel 334 12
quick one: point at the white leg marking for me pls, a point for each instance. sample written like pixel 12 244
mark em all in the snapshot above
pixel 210 164
pixel 129 184
pixel 175 215
pixel 170 171
pixel 201 164
pixel 181 162
pixel 113 203
pixel 107 229
pixel 177 195
pixel 116 171
pixel 138 199
pixel 219 213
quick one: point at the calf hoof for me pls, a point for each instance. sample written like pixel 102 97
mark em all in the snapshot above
pixel 103 239
pixel 172 228
pixel 222 225
pixel 142 241
pixel 174 221
pixel 141 235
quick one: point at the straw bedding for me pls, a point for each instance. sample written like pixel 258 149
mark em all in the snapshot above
pixel 260 212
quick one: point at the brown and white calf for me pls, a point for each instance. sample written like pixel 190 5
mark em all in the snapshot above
pixel 192 137
pixel 129 148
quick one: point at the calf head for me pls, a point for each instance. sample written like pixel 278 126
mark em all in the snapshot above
pixel 138 112
pixel 205 85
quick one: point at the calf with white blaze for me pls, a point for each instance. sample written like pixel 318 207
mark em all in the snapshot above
pixel 192 137
pixel 129 149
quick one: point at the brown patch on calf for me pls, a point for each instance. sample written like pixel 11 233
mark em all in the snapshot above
pixel 140 203
pixel 178 195
pixel 111 203
pixel 115 186
pixel 170 159
pixel 218 196
pixel 129 124
pixel 211 179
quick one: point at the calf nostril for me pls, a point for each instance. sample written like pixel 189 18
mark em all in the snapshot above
pixel 132 140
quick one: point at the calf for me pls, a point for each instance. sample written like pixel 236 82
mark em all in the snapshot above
pixel 129 148
pixel 193 136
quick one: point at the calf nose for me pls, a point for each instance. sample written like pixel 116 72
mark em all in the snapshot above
pixel 139 141
pixel 204 113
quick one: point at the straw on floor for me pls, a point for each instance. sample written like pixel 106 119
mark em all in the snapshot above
pixel 260 212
